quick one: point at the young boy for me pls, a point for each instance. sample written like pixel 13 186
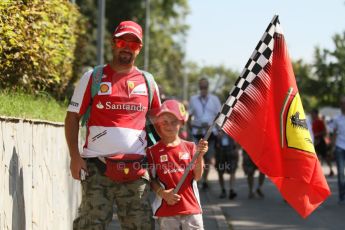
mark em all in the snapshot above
pixel 168 160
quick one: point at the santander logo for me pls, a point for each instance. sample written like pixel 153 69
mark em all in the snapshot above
pixel 128 107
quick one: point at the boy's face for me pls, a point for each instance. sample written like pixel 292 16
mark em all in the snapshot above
pixel 168 125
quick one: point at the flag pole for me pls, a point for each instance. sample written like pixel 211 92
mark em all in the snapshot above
pixel 189 167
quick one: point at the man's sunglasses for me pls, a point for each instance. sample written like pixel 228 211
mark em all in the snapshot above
pixel 132 45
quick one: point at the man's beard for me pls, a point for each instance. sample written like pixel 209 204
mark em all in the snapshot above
pixel 125 58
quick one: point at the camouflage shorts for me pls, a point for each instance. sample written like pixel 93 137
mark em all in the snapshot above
pixel 99 194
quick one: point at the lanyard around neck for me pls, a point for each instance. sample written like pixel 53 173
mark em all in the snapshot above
pixel 203 103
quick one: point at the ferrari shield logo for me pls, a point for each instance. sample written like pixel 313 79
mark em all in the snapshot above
pixel 126 170
pixel 297 132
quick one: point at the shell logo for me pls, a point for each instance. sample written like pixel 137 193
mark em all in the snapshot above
pixel 104 88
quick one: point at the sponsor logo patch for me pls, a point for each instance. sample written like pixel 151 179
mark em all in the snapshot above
pixel 164 158
pixel 136 89
pixel 100 105
pixel 184 155
pixel 75 104
pixel 99 135
pixel 105 88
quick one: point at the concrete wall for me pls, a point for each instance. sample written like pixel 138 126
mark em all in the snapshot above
pixel 36 188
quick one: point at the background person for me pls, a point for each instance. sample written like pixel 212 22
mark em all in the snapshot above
pixel 203 108
pixel 339 149
pixel 320 134
pixel 249 169
pixel 226 162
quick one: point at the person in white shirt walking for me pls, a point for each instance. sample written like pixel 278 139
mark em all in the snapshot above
pixel 338 141
pixel 203 108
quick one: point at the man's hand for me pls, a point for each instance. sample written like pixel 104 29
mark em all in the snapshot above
pixel 77 164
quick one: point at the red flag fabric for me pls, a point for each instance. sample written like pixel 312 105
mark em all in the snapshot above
pixel 264 114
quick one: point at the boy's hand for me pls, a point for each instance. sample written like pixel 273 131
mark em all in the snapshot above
pixel 202 147
pixel 170 197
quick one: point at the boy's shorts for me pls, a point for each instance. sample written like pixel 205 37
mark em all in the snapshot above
pixel 193 221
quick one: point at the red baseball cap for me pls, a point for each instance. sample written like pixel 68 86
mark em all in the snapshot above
pixel 129 27
pixel 173 107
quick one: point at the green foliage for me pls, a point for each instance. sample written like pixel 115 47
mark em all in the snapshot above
pixel 38 40
pixel 306 83
pixel 42 106
pixel 330 72
pixel 166 36
pixel 221 80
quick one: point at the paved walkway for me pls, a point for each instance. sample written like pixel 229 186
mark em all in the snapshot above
pixel 270 213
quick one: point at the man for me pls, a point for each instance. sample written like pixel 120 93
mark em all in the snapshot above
pixel 203 108
pixel 339 152
pixel 115 130
pixel 320 134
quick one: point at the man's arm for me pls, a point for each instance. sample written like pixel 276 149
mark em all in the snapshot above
pixel 71 133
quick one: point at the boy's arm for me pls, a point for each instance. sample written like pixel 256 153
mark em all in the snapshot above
pixel 199 163
pixel 167 195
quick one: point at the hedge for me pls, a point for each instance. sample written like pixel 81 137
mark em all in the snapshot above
pixel 37 45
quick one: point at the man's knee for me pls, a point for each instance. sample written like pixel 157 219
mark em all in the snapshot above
pixel 134 210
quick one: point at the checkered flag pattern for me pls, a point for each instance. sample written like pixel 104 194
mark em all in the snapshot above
pixel 249 88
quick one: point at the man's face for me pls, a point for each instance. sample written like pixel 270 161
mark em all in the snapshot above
pixel 126 48
pixel 203 86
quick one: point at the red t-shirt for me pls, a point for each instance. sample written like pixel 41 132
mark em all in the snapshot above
pixel 117 120
pixel 319 128
pixel 167 165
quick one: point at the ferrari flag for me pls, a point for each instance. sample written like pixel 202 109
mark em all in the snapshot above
pixel 264 114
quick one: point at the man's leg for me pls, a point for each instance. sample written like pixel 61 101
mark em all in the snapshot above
pixel 261 180
pixel 250 180
pixel 96 209
pixel 221 183
pixel 133 205
pixel 340 159
pixel 232 193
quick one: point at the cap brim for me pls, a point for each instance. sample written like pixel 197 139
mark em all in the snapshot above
pixel 155 116
pixel 127 32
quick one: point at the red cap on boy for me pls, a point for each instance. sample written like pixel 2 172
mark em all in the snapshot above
pixel 173 107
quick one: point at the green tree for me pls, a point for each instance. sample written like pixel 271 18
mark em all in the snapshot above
pixel 166 36
pixel 306 83
pixel 38 39
pixel 330 72
pixel 221 79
